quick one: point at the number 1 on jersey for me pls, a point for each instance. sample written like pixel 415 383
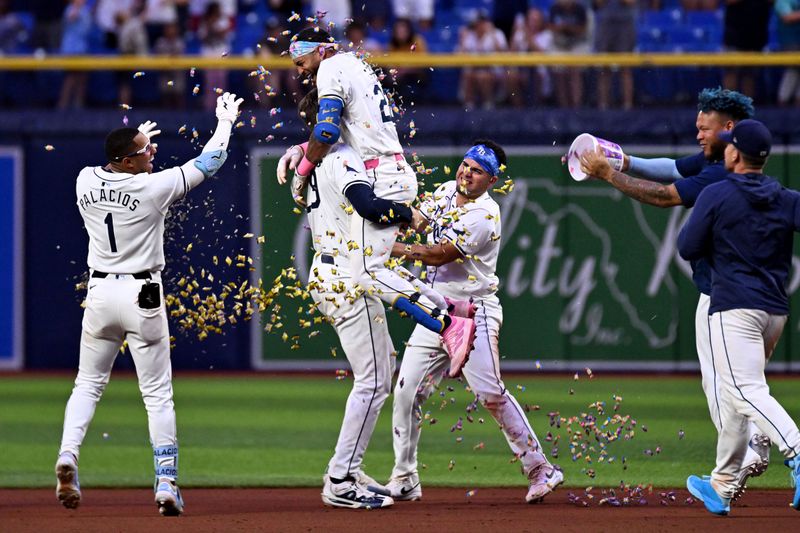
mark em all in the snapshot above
pixel 109 220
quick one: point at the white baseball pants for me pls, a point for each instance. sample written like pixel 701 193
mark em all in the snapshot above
pixel 364 336
pixel 393 180
pixel 742 341
pixel 425 363
pixel 113 315
pixel 708 374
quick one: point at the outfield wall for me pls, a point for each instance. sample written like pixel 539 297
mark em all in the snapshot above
pixel 588 276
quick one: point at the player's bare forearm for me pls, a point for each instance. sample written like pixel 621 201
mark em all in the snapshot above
pixel 647 192
pixel 316 150
pixel 428 254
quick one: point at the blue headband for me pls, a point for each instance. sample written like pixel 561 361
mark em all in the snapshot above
pixel 485 157
pixel 301 48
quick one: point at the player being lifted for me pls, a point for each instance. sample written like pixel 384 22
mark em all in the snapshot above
pixel 123 205
pixel 461 254
pixel 358 317
pixel 353 107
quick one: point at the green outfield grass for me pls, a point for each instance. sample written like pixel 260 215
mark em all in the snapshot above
pixel 280 431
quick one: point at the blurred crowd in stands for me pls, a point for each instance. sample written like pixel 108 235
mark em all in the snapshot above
pixel 262 28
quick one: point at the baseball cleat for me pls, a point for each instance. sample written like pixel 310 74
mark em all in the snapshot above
pixel 406 488
pixel 794 476
pixel 350 494
pixel 755 466
pixel 364 479
pixel 458 339
pixel 462 308
pixel 68 489
pixel 543 480
pixel 169 499
pixel 704 491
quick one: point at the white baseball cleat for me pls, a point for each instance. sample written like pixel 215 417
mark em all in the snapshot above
pixel 351 494
pixel 543 480
pixel 168 498
pixel 406 488
pixel 755 466
pixel 68 489
pixel 364 479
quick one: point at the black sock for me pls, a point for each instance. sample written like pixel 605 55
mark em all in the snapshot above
pixel 447 322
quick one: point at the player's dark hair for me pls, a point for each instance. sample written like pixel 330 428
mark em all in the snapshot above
pixel 496 148
pixel 726 102
pixel 119 143
pixel 753 161
pixel 313 35
pixel 308 108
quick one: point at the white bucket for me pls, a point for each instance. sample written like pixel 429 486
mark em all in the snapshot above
pixel 586 141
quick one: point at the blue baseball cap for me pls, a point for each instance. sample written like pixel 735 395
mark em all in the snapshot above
pixel 750 137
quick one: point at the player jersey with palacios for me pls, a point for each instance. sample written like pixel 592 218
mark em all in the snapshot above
pixel 326 203
pixel 474 229
pixel 367 120
pixel 124 217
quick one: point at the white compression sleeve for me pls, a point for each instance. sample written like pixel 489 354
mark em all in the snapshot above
pixel 660 169
pixel 218 141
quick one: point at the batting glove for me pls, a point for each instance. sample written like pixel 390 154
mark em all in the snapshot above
pixel 289 161
pixel 149 129
pixel 228 107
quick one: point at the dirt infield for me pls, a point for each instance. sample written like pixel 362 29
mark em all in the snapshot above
pixel 441 510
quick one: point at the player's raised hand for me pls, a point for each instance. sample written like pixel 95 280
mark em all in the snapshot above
pixel 149 129
pixel 228 107
pixel 289 161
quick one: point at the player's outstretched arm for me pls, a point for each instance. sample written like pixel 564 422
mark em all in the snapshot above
pixel 214 152
pixel 378 210
pixel 595 164
pixel 659 169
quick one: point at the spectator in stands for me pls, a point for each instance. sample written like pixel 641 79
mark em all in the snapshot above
pixel 375 13
pixel 338 12
pixel 700 5
pixel 157 14
pixel 356 38
pixel 279 85
pixel 131 40
pixel 215 35
pixel 105 16
pixel 788 12
pixel 75 41
pixel 746 30
pixel 569 24
pixel 12 30
pixel 530 34
pixel 481 37
pixel 172 83
pixel 505 15
pixel 418 11
pixel 410 82
pixel 614 31
pixel 48 16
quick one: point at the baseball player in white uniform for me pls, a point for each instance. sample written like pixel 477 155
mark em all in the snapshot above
pixel 123 205
pixel 358 317
pixel 744 225
pixel 461 255
pixel 353 107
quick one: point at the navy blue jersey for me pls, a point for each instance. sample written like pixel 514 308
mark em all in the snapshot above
pixel 698 173
pixel 744 226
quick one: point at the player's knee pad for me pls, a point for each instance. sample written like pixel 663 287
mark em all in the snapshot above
pixel 329 117
pixel 165 459
pixel 419 314
pixel 210 162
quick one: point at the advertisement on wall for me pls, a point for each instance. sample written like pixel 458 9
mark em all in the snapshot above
pixel 588 276
pixel 11 258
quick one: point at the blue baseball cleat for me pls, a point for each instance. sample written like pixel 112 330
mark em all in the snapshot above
pixel 794 464
pixel 703 491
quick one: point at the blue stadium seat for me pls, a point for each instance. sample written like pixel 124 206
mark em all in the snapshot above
pixel 249 30
pixel 705 19
pixel 662 18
